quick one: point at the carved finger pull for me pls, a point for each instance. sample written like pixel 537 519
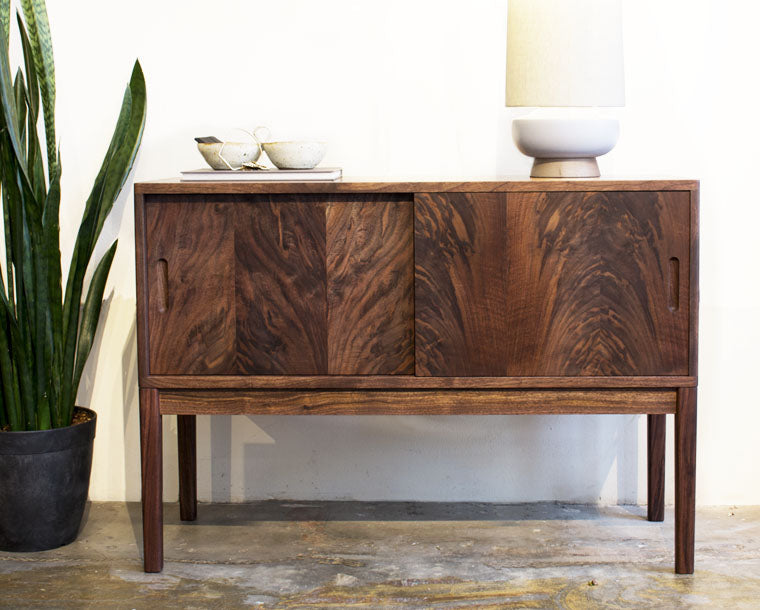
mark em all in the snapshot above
pixel 162 287
pixel 673 284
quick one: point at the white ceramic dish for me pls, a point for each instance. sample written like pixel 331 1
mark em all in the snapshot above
pixel 303 154
pixel 229 155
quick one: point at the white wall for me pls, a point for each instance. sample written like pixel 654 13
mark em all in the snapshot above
pixel 403 88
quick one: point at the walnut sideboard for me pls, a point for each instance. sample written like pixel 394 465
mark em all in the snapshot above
pixel 445 298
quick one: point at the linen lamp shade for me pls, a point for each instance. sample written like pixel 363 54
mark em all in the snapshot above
pixel 565 53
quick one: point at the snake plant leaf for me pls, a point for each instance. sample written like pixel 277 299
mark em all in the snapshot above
pixel 8 223
pixel 33 152
pixel 12 353
pixel 5 21
pixel 9 277
pixel 26 227
pixel 34 161
pixel 25 308
pixel 127 138
pixel 113 173
pixel 31 73
pixel 24 380
pixel 19 92
pixel 9 118
pixel 35 13
pixel 11 399
pixel 43 338
pixel 15 226
pixel 27 130
pixel 51 228
pixel 91 311
pixel 51 248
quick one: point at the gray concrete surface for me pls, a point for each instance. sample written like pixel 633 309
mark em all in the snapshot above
pixel 394 555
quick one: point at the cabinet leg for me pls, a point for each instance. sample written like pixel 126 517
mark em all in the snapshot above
pixel 656 467
pixel 686 459
pixel 152 481
pixel 188 495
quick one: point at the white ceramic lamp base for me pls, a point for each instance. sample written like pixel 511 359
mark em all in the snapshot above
pixel 565 148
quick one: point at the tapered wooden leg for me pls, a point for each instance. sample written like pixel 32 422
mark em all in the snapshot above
pixel 152 481
pixel 188 495
pixel 656 467
pixel 686 460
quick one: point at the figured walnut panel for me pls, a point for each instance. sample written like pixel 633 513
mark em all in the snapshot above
pixel 279 283
pixel 552 284
pixel 460 284
pixel 598 283
pixel 240 285
pixel 370 267
pixel 190 291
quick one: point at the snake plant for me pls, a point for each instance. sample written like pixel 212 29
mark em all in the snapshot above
pixel 46 333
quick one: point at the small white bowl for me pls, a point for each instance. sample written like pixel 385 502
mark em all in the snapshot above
pixel 229 155
pixel 295 155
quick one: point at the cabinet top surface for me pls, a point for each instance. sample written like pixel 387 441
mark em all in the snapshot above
pixel 361 185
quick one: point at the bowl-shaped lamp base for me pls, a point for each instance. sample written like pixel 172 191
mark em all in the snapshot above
pixel 565 148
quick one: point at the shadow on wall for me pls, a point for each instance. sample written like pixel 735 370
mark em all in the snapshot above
pixel 130 392
pixel 131 414
pixel 447 458
pixel 86 388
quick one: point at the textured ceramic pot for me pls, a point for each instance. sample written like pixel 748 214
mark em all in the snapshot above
pixel 229 155
pixel 44 478
pixel 295 155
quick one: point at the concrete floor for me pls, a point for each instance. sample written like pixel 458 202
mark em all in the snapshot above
pixel 394 555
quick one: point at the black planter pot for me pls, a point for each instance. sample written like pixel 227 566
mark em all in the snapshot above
pixel 44 479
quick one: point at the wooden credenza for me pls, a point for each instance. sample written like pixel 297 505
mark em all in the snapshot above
pixel 455 298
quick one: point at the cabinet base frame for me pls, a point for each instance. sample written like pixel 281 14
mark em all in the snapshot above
pixel 186 404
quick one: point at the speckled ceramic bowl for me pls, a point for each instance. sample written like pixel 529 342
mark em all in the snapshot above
pixel 234 153
pixel 295 155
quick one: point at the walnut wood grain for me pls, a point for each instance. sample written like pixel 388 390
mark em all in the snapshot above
pixel 460 283
pixel 545 284
pixel 656 467
pixel 141 276
pixel 589 284
pixel 370 266
pixel 694 281
pixel 511 185
pixel 450 402
pixel 263 285
pixel 188 468
pixel 686 467
pixel 192 325
pixel 152 480
pixel 279 283
pixel 379 382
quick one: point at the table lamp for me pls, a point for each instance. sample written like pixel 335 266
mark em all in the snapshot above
pixel 566 55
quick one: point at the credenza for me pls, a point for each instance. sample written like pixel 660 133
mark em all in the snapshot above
pixel 398 298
